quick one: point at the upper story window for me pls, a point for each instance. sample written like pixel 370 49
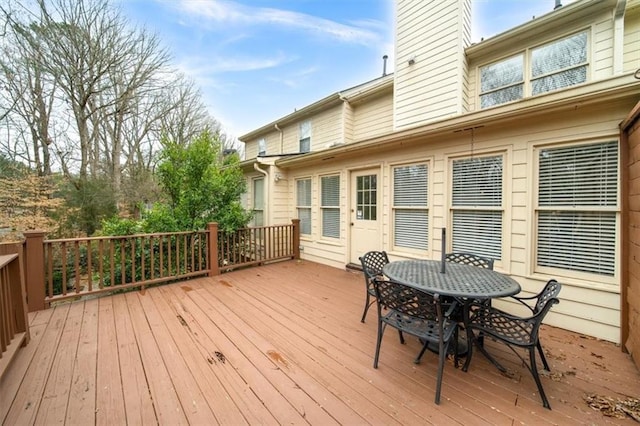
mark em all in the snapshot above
pixel 411 206
pixel 305 136
pixel 262 147
pixel 561 63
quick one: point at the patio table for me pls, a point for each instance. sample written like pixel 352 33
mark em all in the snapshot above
pixel 459 281
pixel 462 282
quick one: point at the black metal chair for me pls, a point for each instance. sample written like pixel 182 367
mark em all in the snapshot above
pixel 469 259
pixel 513 330
pixel 420 314
pixel 372 263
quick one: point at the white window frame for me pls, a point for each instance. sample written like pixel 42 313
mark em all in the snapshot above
pixel 262 147
pixel 477 212
pixel 303 206
pixel 528 69
pixel 329 206
pixel 410 207
pixel 584 195
pixel 304 136
pixel 258 201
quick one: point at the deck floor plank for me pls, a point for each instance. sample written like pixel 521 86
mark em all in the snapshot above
pixel 281 343
pixel 110 403
pixel 81 408
pixel 30 393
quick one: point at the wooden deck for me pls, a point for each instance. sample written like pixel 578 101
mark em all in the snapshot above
pixel 280 344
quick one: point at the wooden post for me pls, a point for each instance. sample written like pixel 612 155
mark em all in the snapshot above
pixel 34 269
pixel 296 238
pixel 16 275
pixel 214 268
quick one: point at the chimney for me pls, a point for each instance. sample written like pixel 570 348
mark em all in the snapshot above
pixel 558 4
pixel 384 65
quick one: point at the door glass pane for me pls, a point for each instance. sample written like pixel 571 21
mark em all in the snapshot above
pixel 366 197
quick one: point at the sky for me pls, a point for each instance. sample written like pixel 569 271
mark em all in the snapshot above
pixel 258 60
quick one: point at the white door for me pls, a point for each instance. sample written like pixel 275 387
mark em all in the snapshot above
pixel 365 214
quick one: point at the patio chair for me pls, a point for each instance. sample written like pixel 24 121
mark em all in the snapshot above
pixel 420 314
pixel 470 259
pixel 372 263
pixel 513 330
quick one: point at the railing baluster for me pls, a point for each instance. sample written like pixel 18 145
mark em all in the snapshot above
pixel 76 265
pixel 89 266
pixel 64 268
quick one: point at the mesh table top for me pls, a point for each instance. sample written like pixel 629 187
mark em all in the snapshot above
pixel 458 280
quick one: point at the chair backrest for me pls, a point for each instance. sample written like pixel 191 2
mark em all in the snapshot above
pixel 407 300
pixel 372 263
pixel 550 291
pixel 470 259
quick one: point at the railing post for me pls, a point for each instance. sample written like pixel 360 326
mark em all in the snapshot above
pixel 34 269
pixel 214 268
pixel 16 275
pixel 296 238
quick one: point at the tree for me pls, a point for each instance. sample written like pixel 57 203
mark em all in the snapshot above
pixel 202 186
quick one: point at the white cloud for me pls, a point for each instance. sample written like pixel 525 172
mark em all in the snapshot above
pixel 199 66
pixel 230 13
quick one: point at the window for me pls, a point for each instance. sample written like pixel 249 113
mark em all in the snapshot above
pixel 477 206
pixel 262 147
pixel 303 202
pixel 410 206
pixel 502 81
pixel 258 202
pixel 330 206
pixel 577 207
pixel 561 63
pixel 305 136
pixel 367 197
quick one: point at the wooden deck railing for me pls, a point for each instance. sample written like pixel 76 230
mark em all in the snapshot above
pixel 63 269
pixel 14 330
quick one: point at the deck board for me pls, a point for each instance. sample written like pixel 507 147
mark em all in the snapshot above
pixel 276 344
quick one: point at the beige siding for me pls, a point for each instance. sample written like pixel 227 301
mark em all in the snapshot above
pixel 589 305
pixel 430 33
pixel 631 48
pixel 602 57
pixel 373 117
pixel 327 129
pixel 290 136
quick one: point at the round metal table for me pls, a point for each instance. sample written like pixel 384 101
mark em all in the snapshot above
pixel 460 281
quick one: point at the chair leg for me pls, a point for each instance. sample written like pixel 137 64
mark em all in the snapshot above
pixel 534 372
pixel 441 357
pixel 381 328
pixel 470 341
pixel 366 307
pixel 542 357
pixel 401 336
pixel 424 348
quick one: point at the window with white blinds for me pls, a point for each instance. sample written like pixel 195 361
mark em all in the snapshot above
pixel 411 206
pixel 476 208
pixel 578 207
pixel 262 147
pixel 303 204
pixel 258 202
pixel 330 206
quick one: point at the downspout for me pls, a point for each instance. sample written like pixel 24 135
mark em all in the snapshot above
pixel 266 190
pixel 281 138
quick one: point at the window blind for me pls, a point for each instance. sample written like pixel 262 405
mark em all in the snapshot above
pixel 410 206
pixel 330 206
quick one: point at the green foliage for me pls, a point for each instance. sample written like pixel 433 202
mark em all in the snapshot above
pixel 202 188
pixel 90 203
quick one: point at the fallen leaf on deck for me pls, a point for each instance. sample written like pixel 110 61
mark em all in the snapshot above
pixel 618 408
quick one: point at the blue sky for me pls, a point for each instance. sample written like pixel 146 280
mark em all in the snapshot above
pixel 258 60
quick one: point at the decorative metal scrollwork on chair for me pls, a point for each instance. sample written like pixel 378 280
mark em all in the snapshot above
pixel 420 314
pixel 372 264
pixel 513 330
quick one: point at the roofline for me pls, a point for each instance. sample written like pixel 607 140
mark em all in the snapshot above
pixel 331 100
pixel 573 11
pixel 619 87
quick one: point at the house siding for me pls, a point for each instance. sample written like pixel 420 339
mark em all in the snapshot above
pixel 430 33
pixel 631 45
pixel 373 118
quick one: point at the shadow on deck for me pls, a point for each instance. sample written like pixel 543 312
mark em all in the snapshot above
pixel 279 344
